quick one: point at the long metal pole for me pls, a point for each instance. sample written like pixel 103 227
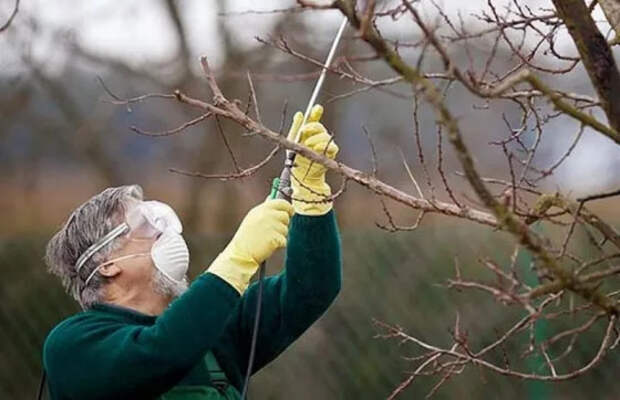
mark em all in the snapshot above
pixel 319 83
pixel 281 189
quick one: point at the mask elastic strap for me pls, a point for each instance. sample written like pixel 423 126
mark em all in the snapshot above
pixel 110 262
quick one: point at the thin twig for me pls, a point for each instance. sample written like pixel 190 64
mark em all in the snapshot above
pixel 413 180
pixel 599 196
pixel 220 130
pixel 173 131
pixel 254 100
pixel 227 177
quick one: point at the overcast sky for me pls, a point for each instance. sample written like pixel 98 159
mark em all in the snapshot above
pixel 139 31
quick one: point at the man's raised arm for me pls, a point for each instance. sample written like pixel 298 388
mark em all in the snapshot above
pixel 311 279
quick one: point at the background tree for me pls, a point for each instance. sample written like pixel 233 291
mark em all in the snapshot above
pixel 570 284
pixel 468 133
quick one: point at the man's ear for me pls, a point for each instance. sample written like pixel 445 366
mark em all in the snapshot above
pixel 110 270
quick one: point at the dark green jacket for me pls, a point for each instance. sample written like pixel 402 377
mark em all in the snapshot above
pixel 109 352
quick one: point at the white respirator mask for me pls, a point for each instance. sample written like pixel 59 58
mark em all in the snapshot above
pixel 148 220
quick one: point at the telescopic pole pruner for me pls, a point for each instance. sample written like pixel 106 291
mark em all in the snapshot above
pixel 281 189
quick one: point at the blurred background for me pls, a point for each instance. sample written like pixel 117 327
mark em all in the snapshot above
pixel 62 141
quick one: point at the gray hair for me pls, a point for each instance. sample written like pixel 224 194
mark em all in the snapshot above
pixel 85 226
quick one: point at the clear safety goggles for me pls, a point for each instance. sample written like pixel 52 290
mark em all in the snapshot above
pixel 147 220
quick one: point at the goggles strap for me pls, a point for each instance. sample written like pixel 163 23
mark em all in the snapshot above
pixel 113 234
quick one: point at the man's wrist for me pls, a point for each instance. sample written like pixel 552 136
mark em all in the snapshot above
pixel 235 270
pixel 312 197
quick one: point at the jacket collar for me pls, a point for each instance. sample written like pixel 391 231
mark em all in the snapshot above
pixel 125 313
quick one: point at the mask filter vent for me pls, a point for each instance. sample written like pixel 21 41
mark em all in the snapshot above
pixel 171 255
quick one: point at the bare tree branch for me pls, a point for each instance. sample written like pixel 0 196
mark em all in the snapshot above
pixel 595 54
pixel 6 25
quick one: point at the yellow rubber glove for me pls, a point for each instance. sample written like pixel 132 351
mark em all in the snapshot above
pixel 309 186
pixel 263 230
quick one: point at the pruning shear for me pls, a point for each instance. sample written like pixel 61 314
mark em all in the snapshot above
pixel 281 186
pixel 281 189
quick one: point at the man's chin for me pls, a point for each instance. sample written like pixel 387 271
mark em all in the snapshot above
pixel 167 287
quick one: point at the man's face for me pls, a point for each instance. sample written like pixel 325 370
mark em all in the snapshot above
pixel 138 271
pixel 153 256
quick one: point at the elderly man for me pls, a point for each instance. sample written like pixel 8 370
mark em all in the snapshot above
pixel 144 334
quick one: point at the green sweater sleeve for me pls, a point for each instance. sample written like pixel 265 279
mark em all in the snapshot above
pixel 95 356
pixel 293 299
